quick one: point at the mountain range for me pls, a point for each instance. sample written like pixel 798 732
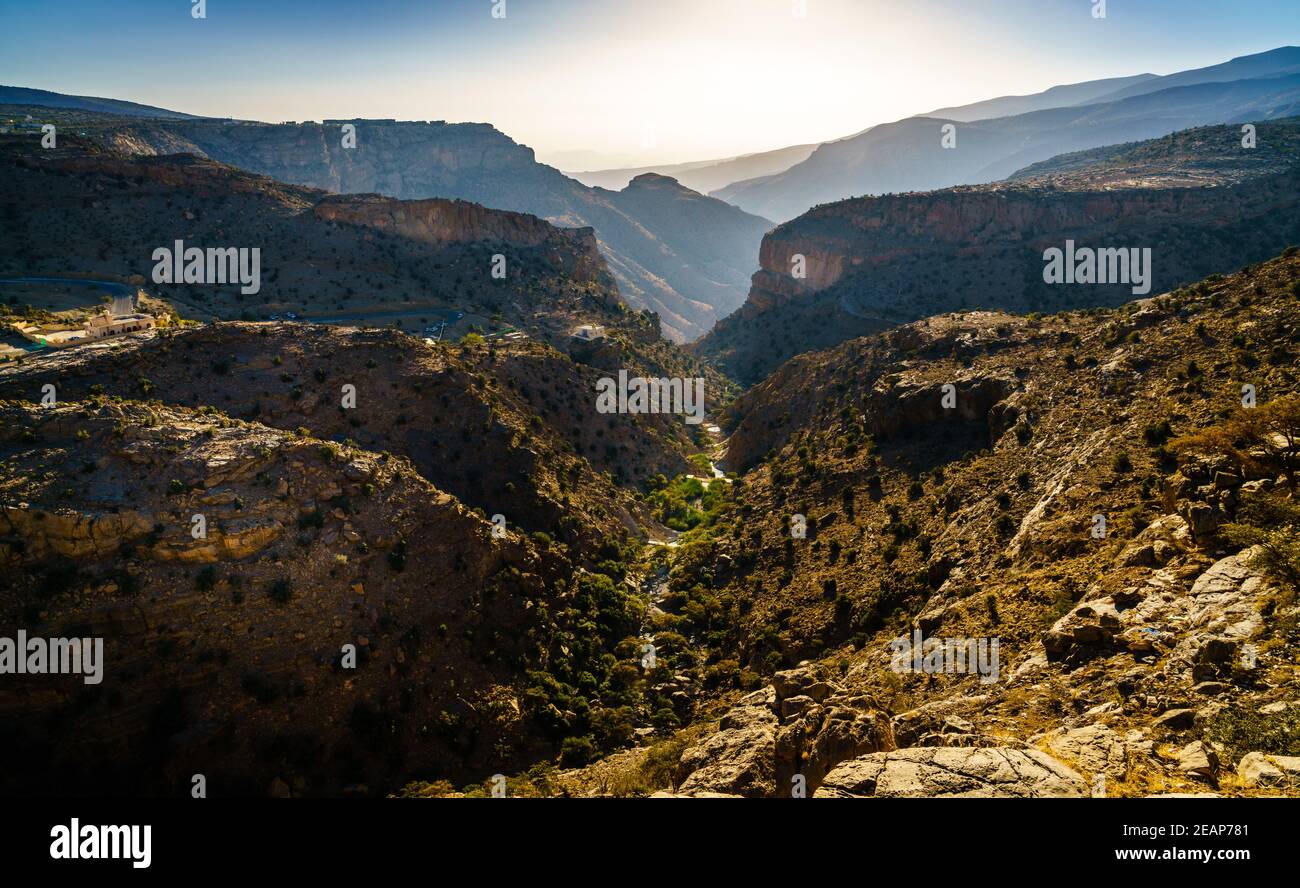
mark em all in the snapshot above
pixel 1197 199
pixel 650 231
pixel 909 154
pixel 685 256
pixel 705 176
pixel 427 563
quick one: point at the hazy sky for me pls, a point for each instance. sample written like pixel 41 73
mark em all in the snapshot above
pixel 594 83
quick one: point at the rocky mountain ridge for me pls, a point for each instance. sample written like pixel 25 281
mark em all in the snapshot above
pixel 649 252
pixel 871 263
pixel 363 259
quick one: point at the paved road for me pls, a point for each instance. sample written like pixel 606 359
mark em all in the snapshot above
pixel 111 286
pixel 444 313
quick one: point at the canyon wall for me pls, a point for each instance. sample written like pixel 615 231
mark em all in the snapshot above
pixel 872 263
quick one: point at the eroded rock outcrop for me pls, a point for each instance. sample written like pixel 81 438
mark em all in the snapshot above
pixel 437 221
pixel 1260 769
pixel 785 738
pixel 950 772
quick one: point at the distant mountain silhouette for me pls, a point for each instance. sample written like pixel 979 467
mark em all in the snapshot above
pixel 705 175
pixel 1084 93
pixel 1283 60
pixel 21 95
pixel 906 155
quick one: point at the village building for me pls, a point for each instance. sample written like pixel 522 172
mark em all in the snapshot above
pixel 589 332
pixel 119 319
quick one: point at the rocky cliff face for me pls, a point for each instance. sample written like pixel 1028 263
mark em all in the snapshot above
pixel 870 263
pixel 654 247
pixel 409 159
pixel 571 250
pixel 319 634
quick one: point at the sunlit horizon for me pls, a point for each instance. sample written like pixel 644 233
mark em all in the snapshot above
pixel 593 84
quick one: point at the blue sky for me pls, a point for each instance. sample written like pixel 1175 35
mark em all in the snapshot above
pixel 592 83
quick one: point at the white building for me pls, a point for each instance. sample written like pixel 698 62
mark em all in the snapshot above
pixel 120 319
pixel 589 332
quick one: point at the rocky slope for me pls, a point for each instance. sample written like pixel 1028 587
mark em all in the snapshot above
pixel 509 429
pixel 224 655
pixel 465 493
pixel 1200 201
pixel 651 243
pixel 1156 656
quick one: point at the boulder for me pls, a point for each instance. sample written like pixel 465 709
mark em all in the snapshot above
pixel 1198 760
pixel 1261 769
pixel 1202 518
pixel 791 682
pixel 1167 528
pixel 1226 481
pixel 738 759
pixel 1094 748
pixel 820 690
pixel 794 706
pixel 1138 555
pixel 1088 623
pixel 929 620
pixel 1177 719
pixel 940 772
pixel 764 696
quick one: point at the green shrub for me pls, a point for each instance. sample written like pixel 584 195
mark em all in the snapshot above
pixel 1273 524
pixel 1157 433
pixel 281 591
pixel 206 578
pixel 1242 731
pixel 575 751
pixel 659 767
pixel 397 556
